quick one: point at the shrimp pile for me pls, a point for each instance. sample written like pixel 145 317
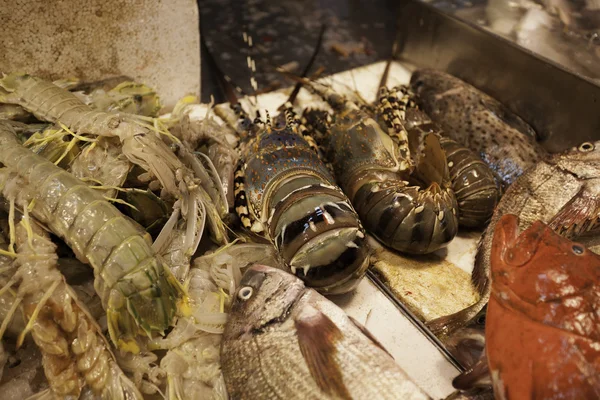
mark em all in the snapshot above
pixel 91 176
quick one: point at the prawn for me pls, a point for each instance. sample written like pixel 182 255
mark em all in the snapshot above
pixel 75 354
pixel 140 144
pixel 137 289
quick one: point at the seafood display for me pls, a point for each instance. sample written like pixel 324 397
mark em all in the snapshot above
pixel 473 182
pixel 188 254
pixel 286 341
pixel 285 192
pixel 292 197
pixel 136 288
pixel 541 330
pixel 75 353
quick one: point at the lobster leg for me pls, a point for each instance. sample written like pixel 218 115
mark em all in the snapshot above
pixel 392 109
pixel 241 203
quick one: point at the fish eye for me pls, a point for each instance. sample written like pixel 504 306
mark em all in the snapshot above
pixel 481 319
pixel 245 293
pixel 577 249
pixel 587 146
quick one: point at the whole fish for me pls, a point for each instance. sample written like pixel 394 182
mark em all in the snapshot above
pixel 286 341
pixel 542 331
pixel 562 191
pixel 477 121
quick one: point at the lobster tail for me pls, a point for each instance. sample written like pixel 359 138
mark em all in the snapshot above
pixel 303 212
pixel 407 218
pixel 473 183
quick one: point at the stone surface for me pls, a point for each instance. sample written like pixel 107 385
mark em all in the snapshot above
pixel 155 42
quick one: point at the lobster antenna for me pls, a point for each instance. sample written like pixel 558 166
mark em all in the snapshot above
pixel 251 64
pixel 227 86
pixel 386 71
pixel 309 65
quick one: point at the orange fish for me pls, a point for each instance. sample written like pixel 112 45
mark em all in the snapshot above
pixel 543 318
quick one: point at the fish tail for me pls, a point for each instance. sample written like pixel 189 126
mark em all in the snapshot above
pixel 449 323
pixel 476 376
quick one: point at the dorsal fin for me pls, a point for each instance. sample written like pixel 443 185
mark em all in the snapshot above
pixel 368 334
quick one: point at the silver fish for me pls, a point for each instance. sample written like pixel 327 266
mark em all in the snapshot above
pixel 286 341
pixel 477 121
pixel 562 191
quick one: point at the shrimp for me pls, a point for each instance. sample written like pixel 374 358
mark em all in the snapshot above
pixel 7 298
pixel 139 142
pixel 103 163
pixel 137 290
pixel 74 351
pixel 192 363
pixel 220 142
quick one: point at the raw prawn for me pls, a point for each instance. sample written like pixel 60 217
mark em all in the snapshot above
pixel 137 289
pixel 140 144
pixel 74 351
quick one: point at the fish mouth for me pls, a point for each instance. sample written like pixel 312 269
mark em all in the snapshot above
pixel 512 248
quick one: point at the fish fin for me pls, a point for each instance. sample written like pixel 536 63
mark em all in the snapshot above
pixel 317 337
pixel 579 215
pixel 368 334
pixel 508 117
pixel 480 276
pixel 450 323
pixel 476 376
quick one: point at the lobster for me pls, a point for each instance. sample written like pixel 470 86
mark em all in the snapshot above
pixel 285 192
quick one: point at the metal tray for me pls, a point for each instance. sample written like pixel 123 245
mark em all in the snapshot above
pixel 561 105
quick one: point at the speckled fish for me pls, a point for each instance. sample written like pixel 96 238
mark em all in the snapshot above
pixel 542 331
pixel 477 121
pixel 285 341
pixel 563 191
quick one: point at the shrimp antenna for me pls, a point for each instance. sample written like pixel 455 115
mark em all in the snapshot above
pixel 309 65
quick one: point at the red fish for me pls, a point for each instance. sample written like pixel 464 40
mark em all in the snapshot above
pixel 543 317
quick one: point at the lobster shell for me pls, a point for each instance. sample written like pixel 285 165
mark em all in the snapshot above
pixel 542 330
